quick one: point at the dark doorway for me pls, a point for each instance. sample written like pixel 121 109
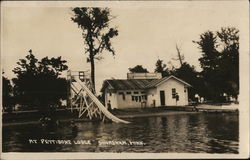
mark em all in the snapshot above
pixel 162 98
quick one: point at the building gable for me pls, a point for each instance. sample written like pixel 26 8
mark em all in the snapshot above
pixel 163 80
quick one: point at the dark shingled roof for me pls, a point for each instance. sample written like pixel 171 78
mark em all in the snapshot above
pixel 127 84
pixel 122 84
pixel 155 82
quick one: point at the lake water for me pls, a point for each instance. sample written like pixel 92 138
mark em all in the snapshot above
pixel 174 133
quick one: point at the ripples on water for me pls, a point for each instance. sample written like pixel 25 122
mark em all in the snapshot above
pixel 177 133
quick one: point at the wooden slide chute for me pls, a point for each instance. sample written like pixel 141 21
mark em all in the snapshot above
pixel 81 97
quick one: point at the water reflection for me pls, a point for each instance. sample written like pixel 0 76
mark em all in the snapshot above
pixel 181 133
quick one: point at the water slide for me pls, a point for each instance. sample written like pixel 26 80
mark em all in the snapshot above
pixel 98 103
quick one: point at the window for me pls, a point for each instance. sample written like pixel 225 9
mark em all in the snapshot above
pixel 81 75
pixel 136 92
pixel 139 98
pixel 136 98
pixel 128 92
pixel 146 97
pixel 143 97
pixel 173 92
pixel 110 94
pixel 133 98
pixel 142 92
pixel 123 95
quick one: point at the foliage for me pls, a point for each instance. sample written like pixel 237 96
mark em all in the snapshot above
pixel 188 73
pixel 229 64
pixel 220 62
pixel 7 94
pixel 38 83
pixel 161 68
pixel 138 69
pixel 97 35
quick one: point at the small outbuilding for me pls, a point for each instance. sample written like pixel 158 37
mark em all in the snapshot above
pixel 145 90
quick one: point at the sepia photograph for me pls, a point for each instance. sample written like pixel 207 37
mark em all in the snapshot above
pixel 131 79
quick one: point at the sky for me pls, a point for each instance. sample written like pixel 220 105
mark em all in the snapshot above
pixel 147 31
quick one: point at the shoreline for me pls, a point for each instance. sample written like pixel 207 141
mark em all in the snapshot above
pixel 134 113
pixel 76 119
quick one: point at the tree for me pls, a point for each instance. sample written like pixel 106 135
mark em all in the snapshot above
pixel 210 56
pixel 97 35
pixel 7 94
pixel 138 69
pixel 161 68
pixel 210 64
pixel 38 84
pixel 229 64
pixel 220 62
pixel 188 73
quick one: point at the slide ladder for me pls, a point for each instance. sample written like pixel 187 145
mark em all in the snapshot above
pixel 87 103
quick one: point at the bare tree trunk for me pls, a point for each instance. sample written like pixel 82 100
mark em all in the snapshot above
pixel 92 63
pixel 179 54
pixel 92 60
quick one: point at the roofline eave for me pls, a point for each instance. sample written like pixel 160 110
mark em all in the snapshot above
pixel 185 83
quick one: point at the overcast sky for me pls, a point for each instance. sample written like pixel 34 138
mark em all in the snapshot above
pixel 147 31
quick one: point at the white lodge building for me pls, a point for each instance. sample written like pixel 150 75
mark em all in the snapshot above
pixel 145 90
